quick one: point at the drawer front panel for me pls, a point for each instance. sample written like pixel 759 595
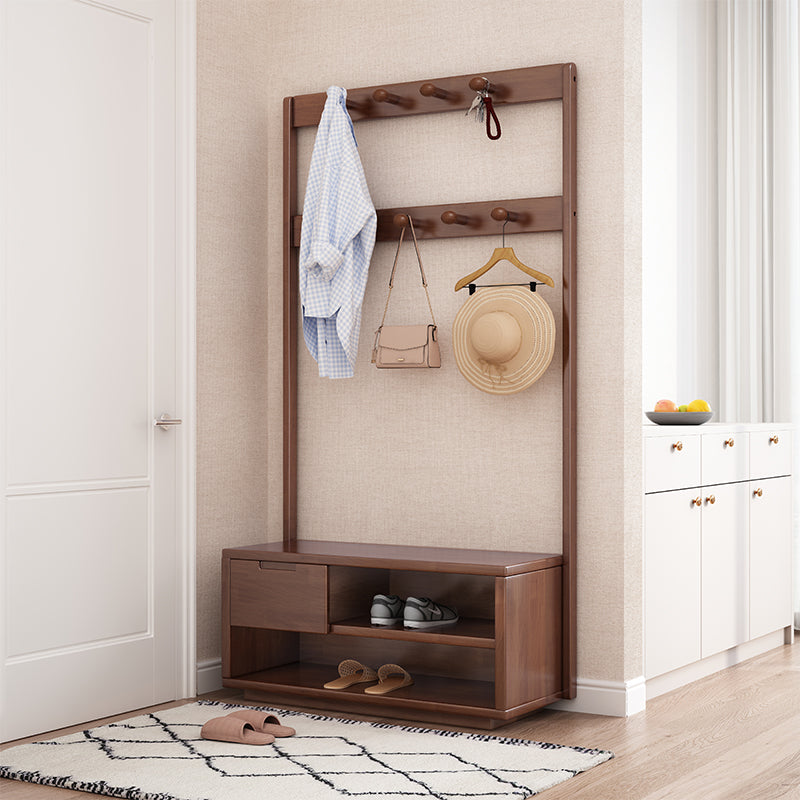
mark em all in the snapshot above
pixel 671 462
pixel 279 596
pixel 770 453
pixel 726 457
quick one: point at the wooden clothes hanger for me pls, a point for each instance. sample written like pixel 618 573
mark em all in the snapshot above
pixel 504 254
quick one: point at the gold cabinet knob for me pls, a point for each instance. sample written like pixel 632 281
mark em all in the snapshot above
pixel 758 492
pixel 773 439
pixel 698 501
pixel 729 442
pixel 711 499
pixel 677 446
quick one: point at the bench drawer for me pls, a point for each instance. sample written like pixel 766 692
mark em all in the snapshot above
pixel 278 595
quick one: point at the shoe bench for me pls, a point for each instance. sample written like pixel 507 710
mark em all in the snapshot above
pixel 291 613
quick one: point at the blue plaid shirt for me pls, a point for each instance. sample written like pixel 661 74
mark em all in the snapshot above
pixel 336 243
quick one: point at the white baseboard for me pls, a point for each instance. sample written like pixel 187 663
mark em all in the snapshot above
pixel 707 666
pixel 608 698
pixel 209 675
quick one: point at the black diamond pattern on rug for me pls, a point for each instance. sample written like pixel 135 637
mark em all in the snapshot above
pixel 340 763
pixel 161 756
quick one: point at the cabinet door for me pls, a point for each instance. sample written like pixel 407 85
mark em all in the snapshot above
pixel 770 555
pixel 725 567
pixel 671 580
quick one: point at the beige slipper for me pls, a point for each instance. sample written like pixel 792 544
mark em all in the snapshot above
pixel 226 729
pixel 391 677
pixel 352 672
pixel 263 723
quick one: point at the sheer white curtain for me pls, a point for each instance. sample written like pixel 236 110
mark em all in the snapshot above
pixel 758 217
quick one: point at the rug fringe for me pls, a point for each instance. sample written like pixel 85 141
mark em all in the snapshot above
pixel 95 787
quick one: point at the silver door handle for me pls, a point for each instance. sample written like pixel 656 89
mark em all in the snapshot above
pixel 165 421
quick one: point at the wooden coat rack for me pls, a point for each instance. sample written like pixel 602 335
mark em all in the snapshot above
pixel 556 82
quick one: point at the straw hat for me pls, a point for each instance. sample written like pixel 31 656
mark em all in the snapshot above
pixel 504 338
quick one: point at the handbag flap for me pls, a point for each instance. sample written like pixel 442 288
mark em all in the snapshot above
pixel 403 337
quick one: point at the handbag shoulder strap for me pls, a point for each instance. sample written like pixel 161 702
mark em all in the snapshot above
pixel 421 271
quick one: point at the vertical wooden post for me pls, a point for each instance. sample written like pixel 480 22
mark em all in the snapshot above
pixel 569 523
pixel 291 302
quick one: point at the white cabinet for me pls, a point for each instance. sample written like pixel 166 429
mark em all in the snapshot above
pixel 717 540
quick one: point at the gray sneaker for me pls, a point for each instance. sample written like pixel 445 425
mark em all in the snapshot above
pixel 422 612
pixel 387 609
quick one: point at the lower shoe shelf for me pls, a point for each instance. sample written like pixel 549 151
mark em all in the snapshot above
pixel 307 680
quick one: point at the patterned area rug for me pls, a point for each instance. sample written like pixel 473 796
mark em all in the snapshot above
pixel 160 756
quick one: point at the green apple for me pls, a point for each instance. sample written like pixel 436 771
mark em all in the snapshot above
pixel 683 408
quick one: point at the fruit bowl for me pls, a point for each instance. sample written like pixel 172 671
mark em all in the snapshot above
pixel 679 417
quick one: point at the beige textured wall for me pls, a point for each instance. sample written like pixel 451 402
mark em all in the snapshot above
pixel 461 467
pixel 232 290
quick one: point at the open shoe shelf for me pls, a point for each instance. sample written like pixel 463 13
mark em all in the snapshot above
pixel 465 633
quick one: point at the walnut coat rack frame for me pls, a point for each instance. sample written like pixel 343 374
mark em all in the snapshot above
pixel 556 82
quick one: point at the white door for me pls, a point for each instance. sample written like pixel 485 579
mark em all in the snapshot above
pixel 89 322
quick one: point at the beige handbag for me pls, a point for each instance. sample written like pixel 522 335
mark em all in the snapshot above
pixel 406 346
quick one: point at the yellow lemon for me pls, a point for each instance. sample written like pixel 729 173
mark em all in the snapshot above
pixel 698 405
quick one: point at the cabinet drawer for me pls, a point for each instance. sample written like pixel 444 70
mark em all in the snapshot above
pixel 671 462
pixel 725 457
pixel 278 595
pixel 770 453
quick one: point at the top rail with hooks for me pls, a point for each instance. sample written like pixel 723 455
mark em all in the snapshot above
pixel 527 85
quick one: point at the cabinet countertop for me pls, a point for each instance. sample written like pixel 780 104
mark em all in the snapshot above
pixel 651 429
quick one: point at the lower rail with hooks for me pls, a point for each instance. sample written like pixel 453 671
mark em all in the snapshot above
pixel 525 215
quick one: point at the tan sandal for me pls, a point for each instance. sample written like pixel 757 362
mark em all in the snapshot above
pixel 391 677
pixel 352 672
pixel 227 729
pixel 263 723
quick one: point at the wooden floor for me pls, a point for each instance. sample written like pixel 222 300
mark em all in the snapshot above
pixel 735 734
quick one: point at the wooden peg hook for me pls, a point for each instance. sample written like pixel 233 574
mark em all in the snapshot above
pixel 356 105
pixel 504 215
pixel 480 84
pixel 383 96
pixel 401 220
pixel 431 90
pixel 451 218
